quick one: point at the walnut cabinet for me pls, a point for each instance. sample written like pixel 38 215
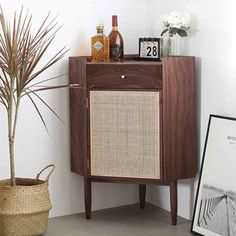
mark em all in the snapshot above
pixel 133 122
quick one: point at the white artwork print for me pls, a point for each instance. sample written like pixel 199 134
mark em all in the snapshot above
pixel 215 212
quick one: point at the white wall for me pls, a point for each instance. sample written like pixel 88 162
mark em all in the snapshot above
pixel 213 42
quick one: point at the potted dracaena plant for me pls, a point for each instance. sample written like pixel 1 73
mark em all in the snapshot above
pixel 24 203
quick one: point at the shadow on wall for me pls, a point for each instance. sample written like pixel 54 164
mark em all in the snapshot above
pixel 192 194
pixel 198 84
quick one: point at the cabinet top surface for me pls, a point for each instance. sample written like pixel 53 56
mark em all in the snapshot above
pixel 129 60
pixel 126 62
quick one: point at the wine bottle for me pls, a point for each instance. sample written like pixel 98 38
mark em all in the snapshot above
pixel 116 42
pixel 100 46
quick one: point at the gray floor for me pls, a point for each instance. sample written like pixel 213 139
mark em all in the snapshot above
pixel 121 221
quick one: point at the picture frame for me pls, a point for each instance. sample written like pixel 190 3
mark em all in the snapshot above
pixel 215 204
pixel 150 49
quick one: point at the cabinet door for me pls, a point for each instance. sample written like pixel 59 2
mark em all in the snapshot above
pixel 125 134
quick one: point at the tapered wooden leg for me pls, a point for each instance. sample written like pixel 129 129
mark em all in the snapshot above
pixel 142 195
pixel 87 197
pixel 173 202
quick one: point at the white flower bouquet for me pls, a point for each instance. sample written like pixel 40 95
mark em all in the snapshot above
pixel 175 23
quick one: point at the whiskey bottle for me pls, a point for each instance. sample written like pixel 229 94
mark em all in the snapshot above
pixel 100 46
pixel 116 42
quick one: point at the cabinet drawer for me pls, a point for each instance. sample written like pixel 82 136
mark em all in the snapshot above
pixel 124 76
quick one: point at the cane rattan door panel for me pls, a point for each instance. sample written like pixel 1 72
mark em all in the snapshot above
pixel 125 134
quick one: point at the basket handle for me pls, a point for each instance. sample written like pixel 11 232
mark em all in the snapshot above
pixel 47 178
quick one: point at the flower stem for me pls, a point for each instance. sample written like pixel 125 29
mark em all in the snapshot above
pixel 167 49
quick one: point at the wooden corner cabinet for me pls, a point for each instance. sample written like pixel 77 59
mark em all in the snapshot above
pixel 133 122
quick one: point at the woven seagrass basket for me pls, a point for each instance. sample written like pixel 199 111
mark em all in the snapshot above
pixel 24 209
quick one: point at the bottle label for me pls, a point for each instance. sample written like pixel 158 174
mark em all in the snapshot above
pixel 115 51
pixel 98 46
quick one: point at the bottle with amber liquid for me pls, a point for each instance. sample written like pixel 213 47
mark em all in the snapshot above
pixel 100 46
pixel 116 42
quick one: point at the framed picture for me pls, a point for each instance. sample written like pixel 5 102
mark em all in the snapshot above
pixel 149 49
pixel 215 206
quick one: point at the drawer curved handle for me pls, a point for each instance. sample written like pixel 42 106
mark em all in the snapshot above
pixel 123 76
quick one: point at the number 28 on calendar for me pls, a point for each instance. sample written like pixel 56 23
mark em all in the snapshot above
pixel 149 48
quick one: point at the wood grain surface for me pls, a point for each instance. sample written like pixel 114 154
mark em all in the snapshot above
pixel 124 76
pixel 179 131
pixel 78 114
